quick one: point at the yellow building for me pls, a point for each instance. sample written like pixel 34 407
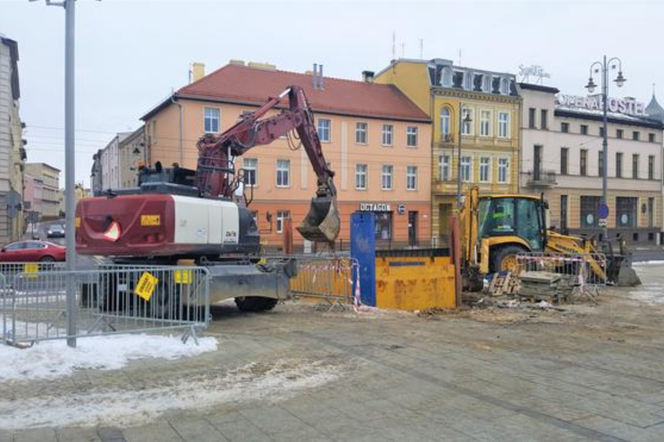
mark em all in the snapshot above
pixel 489 135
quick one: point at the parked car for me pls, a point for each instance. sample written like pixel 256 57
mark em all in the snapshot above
pixel 55 231
pixel 32 251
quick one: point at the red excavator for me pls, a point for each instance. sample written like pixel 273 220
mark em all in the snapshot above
pixel 179 213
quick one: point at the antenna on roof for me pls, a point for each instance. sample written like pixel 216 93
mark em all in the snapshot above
pixel 394 42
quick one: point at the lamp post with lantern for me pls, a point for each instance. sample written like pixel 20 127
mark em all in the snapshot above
pixel 603 67
pixel 464 117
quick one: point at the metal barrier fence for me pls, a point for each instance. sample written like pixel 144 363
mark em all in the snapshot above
pixel 10 269
pixel 111 300
pixel 580 275
pixel 325 277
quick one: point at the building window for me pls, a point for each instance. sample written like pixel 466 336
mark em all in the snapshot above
pixel 503 125
pixel 384 225
pixel 250 166
pixel 445 121
pixel 281 216
pixel 564 160
pixel 531 117
pixel 505 86
pixel 411 136
pixel 211 120
pixel 564 127
pixel 635 166
pixel 651 167
pixel 636 135
pixel 468 81
pixel 388 132
pixel 411 178
pixel 485 123
pixel 619 157
pixel 651 138
pixel 583 163
pixel 619 133
pixel 651 212
pixel 361 133
pixel 544 115
pixel 503 170
pixel 466 166
pixel 444 167
pixel 601 131
pixel 447 77
pixel 626 211
pixel 283 173
pixel 564 203
pixel 324 129
pixel 361 176
pixel 600 163
pixel 387 177
pixel 589 208
pixel 583 129
pixel 467 126
pixel 486 83
pixel 485 167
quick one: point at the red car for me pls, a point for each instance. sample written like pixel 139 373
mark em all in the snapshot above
pixel 32 251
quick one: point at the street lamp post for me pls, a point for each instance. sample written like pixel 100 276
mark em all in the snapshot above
pixel 595 68
pixel 464 117
pixel 70 159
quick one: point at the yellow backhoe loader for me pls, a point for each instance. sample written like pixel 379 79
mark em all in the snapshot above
pixel 496 228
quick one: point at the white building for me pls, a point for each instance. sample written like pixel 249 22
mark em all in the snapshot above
pixel 109 160
pixel 562 157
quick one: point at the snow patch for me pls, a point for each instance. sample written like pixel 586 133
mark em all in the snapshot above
pixel 53 359
pixel 279 381
pixel 647 263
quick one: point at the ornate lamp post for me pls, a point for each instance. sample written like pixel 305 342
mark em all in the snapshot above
pixel 464 117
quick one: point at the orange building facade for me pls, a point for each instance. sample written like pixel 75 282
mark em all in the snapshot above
pixel 376 140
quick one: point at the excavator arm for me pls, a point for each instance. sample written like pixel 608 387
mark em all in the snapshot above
pixel 215 173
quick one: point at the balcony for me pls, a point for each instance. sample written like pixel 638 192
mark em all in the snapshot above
pixel 446 139
pixel 541 178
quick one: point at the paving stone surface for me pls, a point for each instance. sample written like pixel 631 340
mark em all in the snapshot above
pixel 300 373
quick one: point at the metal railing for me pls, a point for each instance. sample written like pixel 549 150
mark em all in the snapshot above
pixel 110 300
pixel 560 276
pixel 329 278
pixel 10 269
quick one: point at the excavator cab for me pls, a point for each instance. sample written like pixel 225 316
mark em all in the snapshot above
pixel 322 223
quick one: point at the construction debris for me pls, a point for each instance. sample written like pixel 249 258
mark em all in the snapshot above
pixel 503 283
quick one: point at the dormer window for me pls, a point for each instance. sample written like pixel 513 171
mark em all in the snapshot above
pixel 468 81
pixel 457 79
pixel 504 86
pixel 486 83
pixel 446 79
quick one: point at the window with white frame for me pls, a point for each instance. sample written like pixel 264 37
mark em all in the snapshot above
pixel 283 173
pixel 505 86
pixel 444 167
pixel 446 79
pixel 504 125
pixel 503 170
pixel 466 168
pixel 485 123
pixel 250 166
pixel 485 169
pixel 211 119
pixel 386 178
pixel 361 171
pixel 486 83
pixel 411 178
pixel 324 129
pixel 281 216
pixel 445 121
pixel 361 135
pixel 411 136
pixel 388 134
pixel 468 81
pixel 467 126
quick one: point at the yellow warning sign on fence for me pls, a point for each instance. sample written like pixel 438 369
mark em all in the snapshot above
pixel 146 285
pixel 31 269
pixel 183 276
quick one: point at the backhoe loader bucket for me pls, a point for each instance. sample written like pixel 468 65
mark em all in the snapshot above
pixel 620 271
pixel 322 223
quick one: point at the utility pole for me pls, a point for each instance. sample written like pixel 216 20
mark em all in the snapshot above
pixel 70 160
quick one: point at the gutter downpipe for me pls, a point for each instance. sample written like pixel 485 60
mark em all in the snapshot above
pixel 177 103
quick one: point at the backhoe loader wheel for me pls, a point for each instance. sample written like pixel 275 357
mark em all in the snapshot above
pixel 504 260
pixel 255 303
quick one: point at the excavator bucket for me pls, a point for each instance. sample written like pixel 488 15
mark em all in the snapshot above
pixel 322 223
pixel 620 271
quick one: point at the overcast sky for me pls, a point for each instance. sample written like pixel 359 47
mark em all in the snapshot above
pixel 131 54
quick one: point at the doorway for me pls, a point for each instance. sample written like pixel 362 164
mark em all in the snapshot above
pixel 412 228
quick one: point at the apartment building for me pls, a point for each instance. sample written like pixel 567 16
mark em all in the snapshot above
pixel 376 140
pixel 488 104
pixel 12 151
pixel 109 159
pixel 49 177
pixel 131 151
pixel 562 157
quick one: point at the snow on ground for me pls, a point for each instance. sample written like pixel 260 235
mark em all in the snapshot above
pixel 651 291
pixel 53 359
pixel 279 381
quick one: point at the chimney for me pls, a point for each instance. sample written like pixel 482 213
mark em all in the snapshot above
pixel 314 77
pixel 368 76
pixel 321 86
pixel 197 71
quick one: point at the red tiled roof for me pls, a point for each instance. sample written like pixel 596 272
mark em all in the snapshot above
pixel 253 85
